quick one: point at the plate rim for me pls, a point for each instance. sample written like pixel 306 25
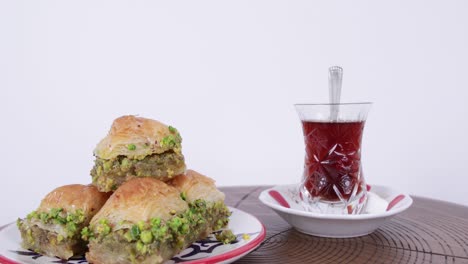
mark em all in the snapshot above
pixel 245 249
pixel 291 211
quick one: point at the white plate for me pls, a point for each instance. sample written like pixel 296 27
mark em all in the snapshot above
pixel 206 251
pixel 339 226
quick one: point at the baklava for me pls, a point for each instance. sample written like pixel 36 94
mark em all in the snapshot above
pixel 137 147
pixel 54 229
pixel 149 221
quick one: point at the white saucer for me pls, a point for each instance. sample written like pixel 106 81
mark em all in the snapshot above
pixel 330 225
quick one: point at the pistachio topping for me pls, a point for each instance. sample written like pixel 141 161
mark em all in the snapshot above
pixel 131 147
pixel 70 220
pixel 58 216
pixel 146 236
pixel 103 228
pixel 172 140
pixel 142 248
pixel 168 141
pixel 226 236
pixel 135 232
pixel 172 129
pixel 110 174
pixel 86 234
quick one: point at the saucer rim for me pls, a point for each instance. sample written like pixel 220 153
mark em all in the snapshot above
pixel 396 210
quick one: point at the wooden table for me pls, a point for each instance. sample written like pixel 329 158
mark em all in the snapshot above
pixel 430 231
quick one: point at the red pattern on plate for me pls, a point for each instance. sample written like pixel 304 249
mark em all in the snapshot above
pixel 4 260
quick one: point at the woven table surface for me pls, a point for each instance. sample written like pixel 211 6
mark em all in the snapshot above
pixel 430 231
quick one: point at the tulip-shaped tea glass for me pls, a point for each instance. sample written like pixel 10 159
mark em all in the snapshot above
pixel 333 181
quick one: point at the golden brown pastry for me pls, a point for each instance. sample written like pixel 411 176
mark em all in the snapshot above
pixel 54 229
pixel 137 147
pixel 197 186
pixel 141 199
pixel 149 221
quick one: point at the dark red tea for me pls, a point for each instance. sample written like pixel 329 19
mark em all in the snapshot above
pixel 333 158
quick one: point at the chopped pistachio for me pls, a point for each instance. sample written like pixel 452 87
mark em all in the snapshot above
pixel 128 236
pixel 226 236
pixel 141 247
pixel 44 217
pixel 103 228
pixel 54 212
pixel 175 223
pixel 168 141
pixel 135 232
pixel 32 215
pixel 107 165
pixel 146 237
pixel 155 222
pixel 29 236
pixel 99 170
pixel 172 129
pixel 131 147
pixel 86 233
pixel 141 225
pixel 125 163
pixel 60 220
pixel 160 233
pixel 185 229
pixel 180 242
pixel 71 227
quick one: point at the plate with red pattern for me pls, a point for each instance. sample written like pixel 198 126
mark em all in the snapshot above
pixel 249 232
pixel 383 203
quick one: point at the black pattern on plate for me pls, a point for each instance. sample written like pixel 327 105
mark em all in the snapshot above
pixel 207 245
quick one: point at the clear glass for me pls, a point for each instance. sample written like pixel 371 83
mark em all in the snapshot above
pixel 333 181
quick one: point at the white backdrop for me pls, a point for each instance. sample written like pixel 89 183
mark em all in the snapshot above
pixel 226 74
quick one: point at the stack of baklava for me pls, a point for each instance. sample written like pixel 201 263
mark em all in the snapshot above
pixel 142 206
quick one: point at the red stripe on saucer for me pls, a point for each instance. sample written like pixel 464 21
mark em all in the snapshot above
pixel 279 198
pixel 395 201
